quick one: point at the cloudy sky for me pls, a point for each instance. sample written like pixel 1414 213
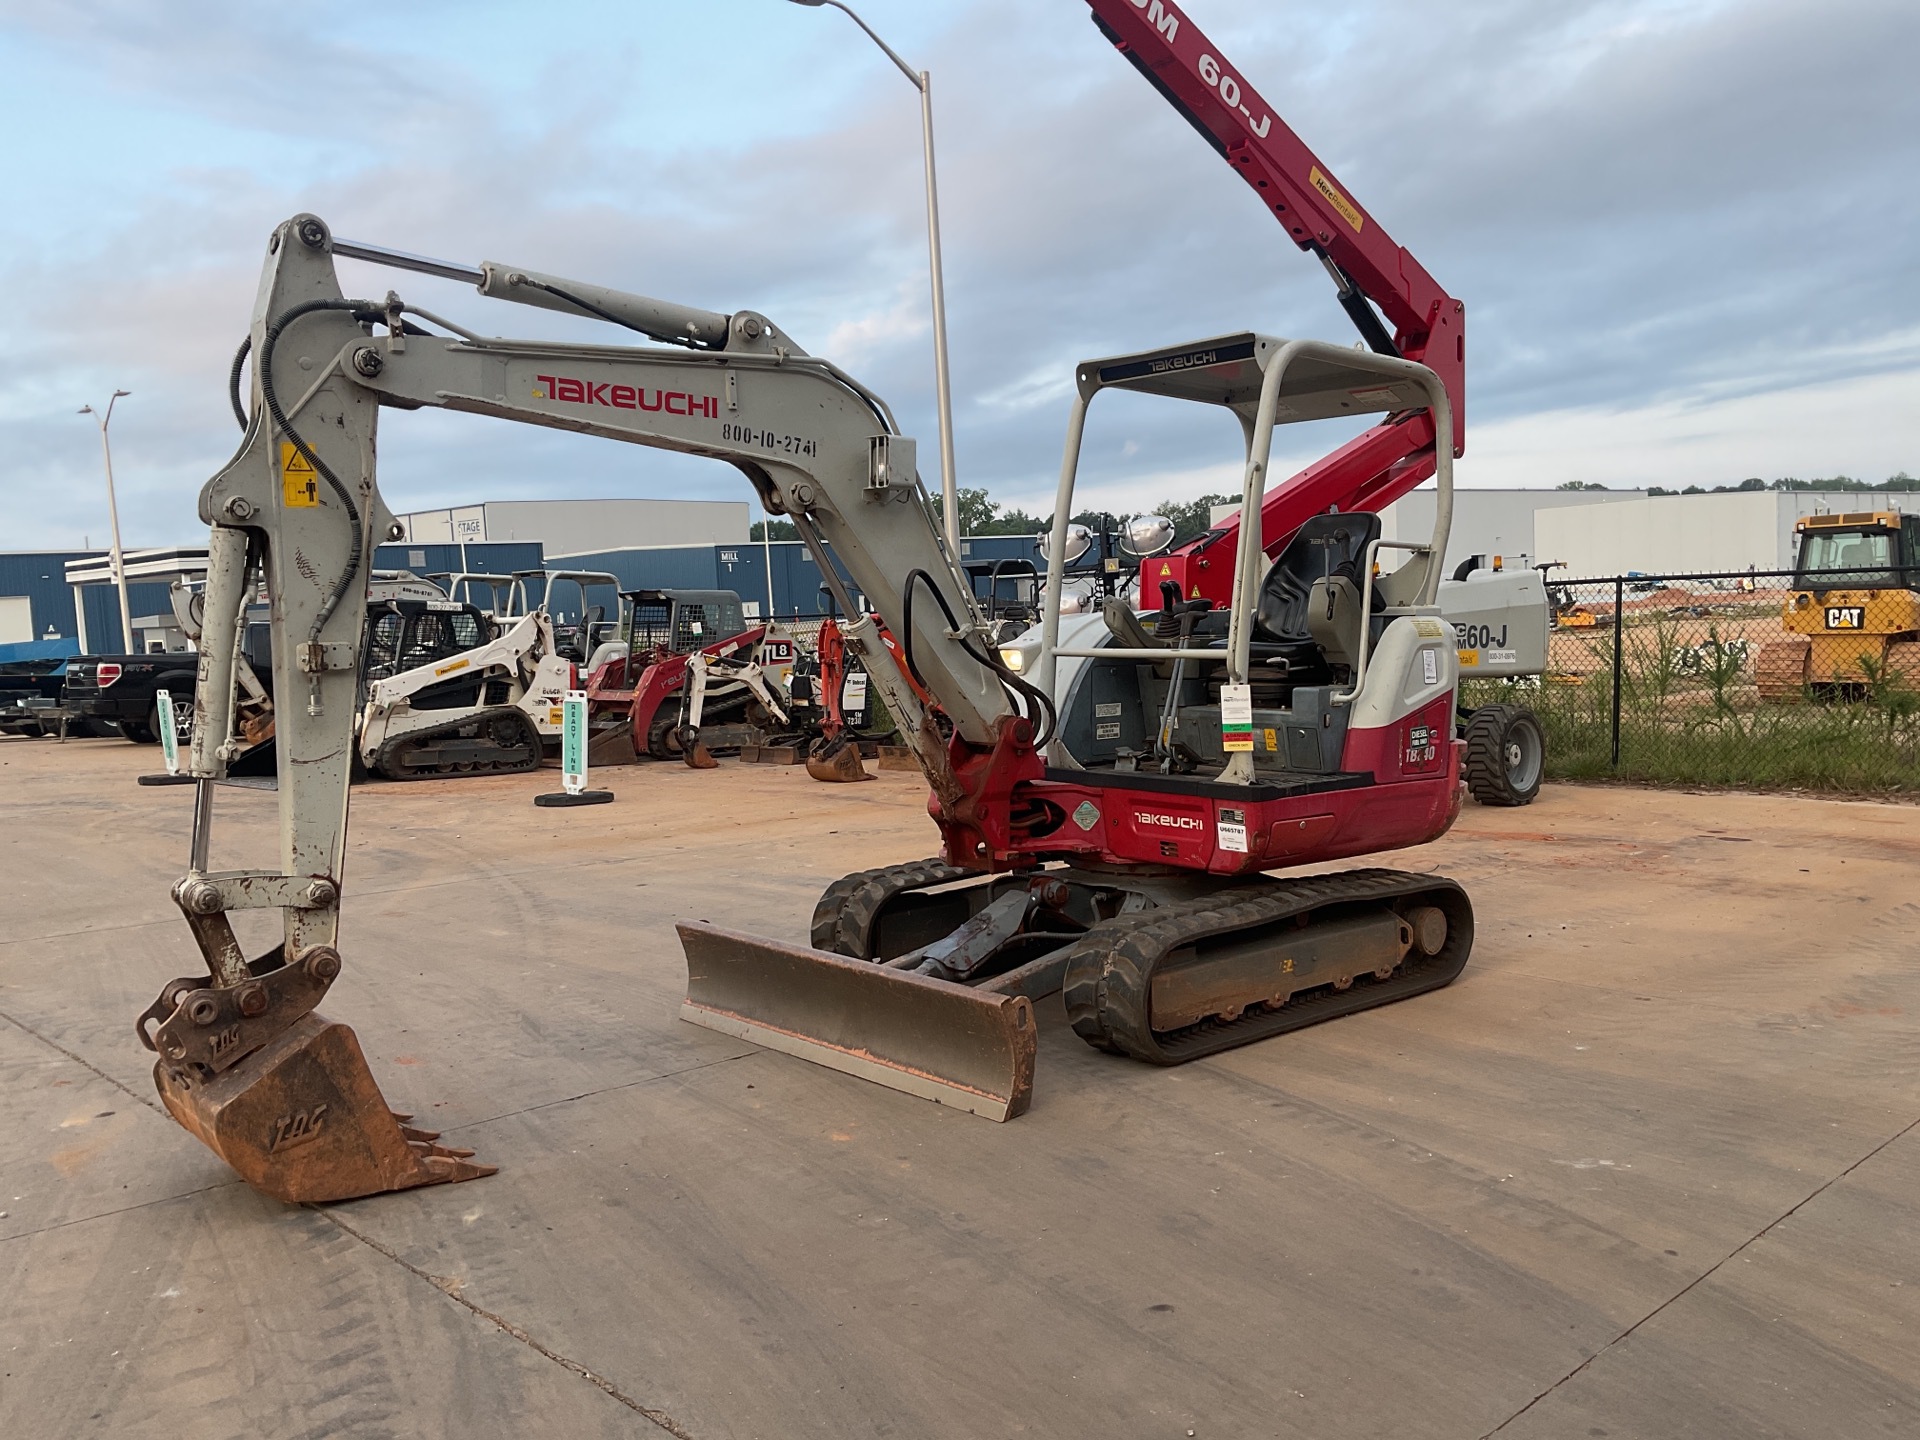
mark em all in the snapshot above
pixel 1687 233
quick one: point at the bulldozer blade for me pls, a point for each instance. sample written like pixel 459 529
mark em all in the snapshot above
pixel 952 1044
pixel 302 1120
pixel 698 757
pixel 611 745
pixel 838 764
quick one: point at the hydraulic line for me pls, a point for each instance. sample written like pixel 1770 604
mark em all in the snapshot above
pixel 1016 685
pixel 357 547
pixel 233 381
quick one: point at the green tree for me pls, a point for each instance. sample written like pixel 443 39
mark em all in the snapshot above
pixel 782 530
pixel 1579 485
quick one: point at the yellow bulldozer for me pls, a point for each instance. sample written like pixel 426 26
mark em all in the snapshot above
pixel 1853 618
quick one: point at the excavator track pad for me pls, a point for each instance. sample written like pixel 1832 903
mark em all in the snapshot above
pixel 302 1120
pixel 953 1044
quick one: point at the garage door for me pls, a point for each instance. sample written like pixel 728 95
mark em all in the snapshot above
pixel 16 619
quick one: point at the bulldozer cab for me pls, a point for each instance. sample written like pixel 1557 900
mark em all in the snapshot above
pixel 1878 550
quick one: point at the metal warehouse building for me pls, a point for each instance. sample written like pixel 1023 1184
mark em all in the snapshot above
pixel 575 527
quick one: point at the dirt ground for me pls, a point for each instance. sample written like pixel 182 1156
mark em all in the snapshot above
pixel 1649 1169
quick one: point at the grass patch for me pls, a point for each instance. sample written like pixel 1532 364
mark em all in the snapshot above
pixel 1689 715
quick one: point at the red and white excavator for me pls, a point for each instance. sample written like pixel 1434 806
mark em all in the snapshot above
pixel 1108 813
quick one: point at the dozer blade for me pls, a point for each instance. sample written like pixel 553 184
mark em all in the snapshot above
pixel 302 1120
pixel 948 1043
pixel 611 745
pixel 837 763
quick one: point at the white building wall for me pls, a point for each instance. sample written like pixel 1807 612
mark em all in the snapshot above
pixel 579 527
pixel 1490 522
pixel 1693 534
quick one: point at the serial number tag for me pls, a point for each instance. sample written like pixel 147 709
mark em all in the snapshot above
pixel 771 440
pixel 1230 830
pixel 1106 710
pixel 1846 617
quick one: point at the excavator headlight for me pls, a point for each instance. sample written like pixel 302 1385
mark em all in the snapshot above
pixel 1014 658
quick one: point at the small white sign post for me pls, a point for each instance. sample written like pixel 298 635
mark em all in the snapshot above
pixel 573 758
pixel 169 743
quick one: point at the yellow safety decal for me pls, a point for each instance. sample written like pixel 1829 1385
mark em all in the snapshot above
pixel 450 667
pixel 556 714
pixel 1166 570
pixel 1349 211
pixel 299 485
pixel 1196 593
pixel 1469 657
pixel 1272 737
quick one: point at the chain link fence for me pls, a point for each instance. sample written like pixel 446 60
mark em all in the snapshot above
pixel 1699 679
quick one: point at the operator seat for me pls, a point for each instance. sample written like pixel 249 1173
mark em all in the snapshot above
pixel 1309 607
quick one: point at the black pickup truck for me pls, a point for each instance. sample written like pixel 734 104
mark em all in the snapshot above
pixel 121 690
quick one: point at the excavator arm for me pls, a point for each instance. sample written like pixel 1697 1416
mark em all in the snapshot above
pixel 244 1062
pixel 1378 283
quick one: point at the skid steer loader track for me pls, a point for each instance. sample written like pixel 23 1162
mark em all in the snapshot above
pixel 501 741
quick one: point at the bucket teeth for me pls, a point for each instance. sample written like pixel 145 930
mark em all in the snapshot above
pixel 302 1120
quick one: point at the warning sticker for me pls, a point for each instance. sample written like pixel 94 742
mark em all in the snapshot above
pixel 1231 830
pixel 1430 666
pixel 1106 709
pixel 1107 730
pixel 1272 737
pixel 1236 718
pixel 299 485
pixel 1086 815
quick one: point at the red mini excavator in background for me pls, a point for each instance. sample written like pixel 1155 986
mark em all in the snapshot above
pixel 1368 269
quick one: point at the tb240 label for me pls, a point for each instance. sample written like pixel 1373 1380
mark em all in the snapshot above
pixel 771 440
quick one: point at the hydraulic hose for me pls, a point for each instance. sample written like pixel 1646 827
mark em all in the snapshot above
pixel 357 546
pixel 1015 685
pixel 233 381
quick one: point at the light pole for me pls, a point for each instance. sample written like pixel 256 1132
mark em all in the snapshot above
pixel 113 514
pixel 923 82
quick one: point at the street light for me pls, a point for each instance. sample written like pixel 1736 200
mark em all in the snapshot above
pixel 113 514
pixel 923 82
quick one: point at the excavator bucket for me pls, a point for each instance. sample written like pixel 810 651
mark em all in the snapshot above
pixel 952 1044
pixel 302 1120
pixel 698 757
pixel 837 762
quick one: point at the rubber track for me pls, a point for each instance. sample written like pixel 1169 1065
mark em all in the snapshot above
pixel 393 749
pixel 843 918
pixel 1110 971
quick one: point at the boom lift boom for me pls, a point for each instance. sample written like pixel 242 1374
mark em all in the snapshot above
pixel 1368 269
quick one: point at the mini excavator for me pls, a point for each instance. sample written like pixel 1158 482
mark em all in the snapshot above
pixel 1108 811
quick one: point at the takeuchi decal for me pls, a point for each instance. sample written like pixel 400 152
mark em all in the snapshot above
pixel 626 397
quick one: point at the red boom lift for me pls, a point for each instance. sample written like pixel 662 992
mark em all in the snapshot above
pixel 1320 214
